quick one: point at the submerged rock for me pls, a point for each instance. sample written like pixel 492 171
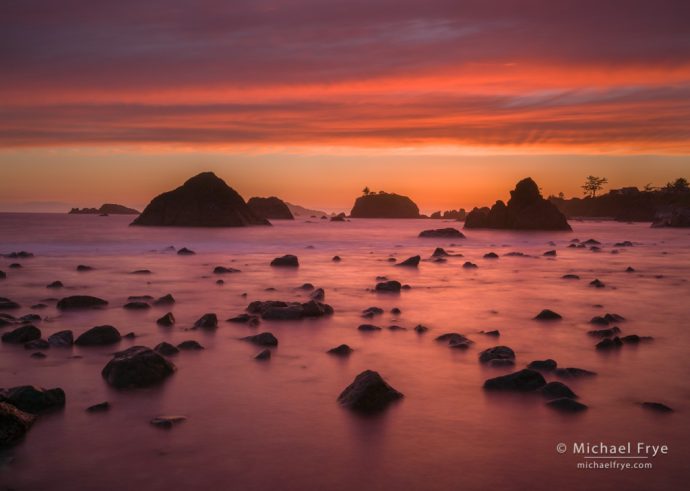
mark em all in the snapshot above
pixel 288 260
pixel 202 201
pixel 604 333
pixel 548 315
pixel 572 372
pixel 32 399
pixel 14 424
pixel 556 390
pixel 420 328
pixel 137 366
pixel 368 393
pixel 547 365
pixel 22 334
pixel 185 252
pixel 136 306
pixel 279 310
pixel 566 404
pixel 609 343
pixel 37 344
pixel 167 422
pixel 262 339
pixel 167 320
pixel 81 302
pixel 657 406
pixel 190 345
pixel 55 284
pixel 444 233
pixel 490 255
pixel 83 268
pixel 166 349
pixel 525 380
pixel 263 355
pixel 469 265
pixel 370 312
pixel 497 353
pixel 368 328
pixel 164 300
pixel 99 336
pixel 388 286
pixel 597 283
pixel 341 350
pixel 224 270
pixel 61 339
pixel 98 408
pixel 411 262
pixel 570 277
pixel 207 321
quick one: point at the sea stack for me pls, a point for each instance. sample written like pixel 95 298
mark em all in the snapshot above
pixel 272 208
pixel 205 200
pixel 384 205
pixel 526 210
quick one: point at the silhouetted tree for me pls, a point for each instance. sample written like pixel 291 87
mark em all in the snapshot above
pixel 366 191
pixel 593 184
pixel 561 195
pixel 648 187
pixel 680 184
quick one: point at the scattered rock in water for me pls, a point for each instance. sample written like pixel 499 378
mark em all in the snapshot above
pixel 515 254
pixel 32 399
pixel 411 262
pixel 37 344
pixel 167 320
pixel 609 343
pixel 262 339
pixel 591 242
pixel 525 380
pixel 55 284
pixel 469 265
pixel 3 275
pixel 368 327
pixel 288 260
pixel 572 372
pixel 141 271
pixel 278 310
pixel 137 366
pixel 190 345
pixel 7 304
pixel 490 255
pixel 167 422
pixel 607 319
pixel 625 243
pixel 442 233
pixel 495 333
pixel 369 392
pixel 61 339
pixel 551 253
pixel 28 318
pixel 224 270
pixel 396 311
pixel 336 259
pixel 657 406
pixel 557 390
pixel 547 365
pixel 455 340
pixel 22 334
pixel 14 424
pixel 19 255
pixel 635 339
pixel 420 328
pixel 38 354
pixel 440 252
pixel 497 353
pixel 566 404
pixel 83 268
pixel 371 312
pixel 388 286
pixel 629 269
pixel 207 321
pixel 395 327
pixel 185 252
pixel 307 286
pixel 99 336
pixel 596 283
pixel 251 320
pixel 136 306
pixel 220 282
pixel 548 315
pixel 81 302
pixel 164 300
pixel 604 333
pixel 319 294
pixel 166 349
pixel 263 355
pixel 341 350
pixel 501 362
pixel 99 408
pixel 139 298
pixel 570 277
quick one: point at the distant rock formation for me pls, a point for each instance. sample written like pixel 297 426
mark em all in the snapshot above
pixel 384 205
pixel 302 212
pixel 105 209
pixel 674 217
pixel 271 208
pixel 458 215
pixel 203 201
pixel 526 210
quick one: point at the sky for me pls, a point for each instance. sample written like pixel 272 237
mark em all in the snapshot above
pixel 448 101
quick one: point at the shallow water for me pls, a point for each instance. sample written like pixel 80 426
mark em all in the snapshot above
pixel 277 425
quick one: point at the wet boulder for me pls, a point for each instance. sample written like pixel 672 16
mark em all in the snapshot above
pixel 369 392
pixel 391 286
pixel 81 302
pixel 556 390
pixel 370 312
pixel 167 320
pixel 572 372
pixel 442 233
pixel 99 336
pixel 657 406
pixel 61 339
pixel 264 355
pixel 286 261
pixel 224 270
pixel 22 334
pixel 262 339
pixel 185 252
pixel 164 300
pixel 566 405
pixel 32 399
pixel 547 365
pixel 136 306
pixel 166 349
pixel 55 284
pixel 207 321
pixel 497 353
pixel 37 344
pixel 604 333
pixel 525 380
pixel 548 315
pixel 137 366
pixel 190 345
pixel 411 262
pixel 341 350
pixel 14 423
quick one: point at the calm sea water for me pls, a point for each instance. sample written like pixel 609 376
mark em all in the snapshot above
pixel 277 425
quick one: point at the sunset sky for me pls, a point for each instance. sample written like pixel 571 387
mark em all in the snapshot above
pixel 448 101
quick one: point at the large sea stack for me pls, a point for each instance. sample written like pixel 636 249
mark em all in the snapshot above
pixel 526 210
pixel 203 201
pixel 272 208
pixel 384 205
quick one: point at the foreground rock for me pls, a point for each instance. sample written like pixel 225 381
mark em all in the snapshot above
pixel 389 286
pixel 14 424
pixel 203 201
pixel 411 262
pixel 279 310
pixel 262 339
pixel 525 380
pixel 368 393
pixel 341 350
pixel 167 422
pixel 565 404
pixel 271 208
pixel 557 390
pixel 503 353
pixel 207 321
pixel 99 336
pixel 33 399
pixel 442 233
pixel 526 210
pixel 674 217
pixel 81 302
pixel 548 315
pixel 22 335
pixel 384 205
pixel 286 261
pixel 657 406
pixel 61 339
pixel 137 366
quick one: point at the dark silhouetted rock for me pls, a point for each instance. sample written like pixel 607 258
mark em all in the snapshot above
pixel 167 320
pixel 336 259
pixel 82 268
pixel 262 339
pixel 166 349
pixel 167 422
pixel 14 424
pixel 99 408
pixel 604 333
pixel 99 336
pixel 495 333
pixel 19 255
pixel 609 343
pixel 388 286
pixel 61 339
pixel 190 345
pixel 272 208
pixel 570 277
pixel 81 302
pixel 287 260
pixel 550 253
pixel 263 355
pixel 202 201
pixel 442 233
pixel 368 393
pixel 3 275
pixel 526 210
pixel 547 365
pixel 597 283
pixel 548 315
pixel 278 310
pixel 55 284
pixel 629 269
pixel 137 366
pixel 469 265
pixel 22 334
pixel 105 209
pixel 370 312
pixel 565 404
pixel 251 320
pixel 420 328
pixel 224 270
pixel 141 272
pixel 440 252
pixel 384 205
pixel 7 304
pixel 164 300
pixel 185 252
pixel 556 390
pixel 523 381
pixel 319 294
pixel 657 406
pixel 412 262
pixel 136 306
pixel 368 327
pixel 490 255
pixel 572 372
pixel 207 321
pixel 341 350
pixel 496 353
pixel 37 344
pixel 33 399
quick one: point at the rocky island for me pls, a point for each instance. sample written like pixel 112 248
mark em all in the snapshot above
pixel 105 209
pixel 272 208
pixel 384 205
